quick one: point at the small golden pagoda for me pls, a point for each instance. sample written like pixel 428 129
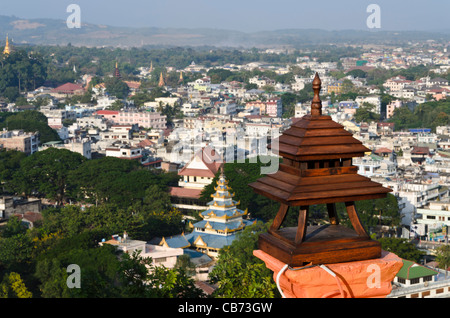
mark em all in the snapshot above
pixel 8 47
pixel 116 71
pixel 317 169
pixel 161 80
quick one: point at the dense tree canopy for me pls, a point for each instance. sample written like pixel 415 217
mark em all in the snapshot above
pixel 427 115
pixel 402 248
pixel 29 121
pixel 45 173
pixel 238 273
pixel 22 70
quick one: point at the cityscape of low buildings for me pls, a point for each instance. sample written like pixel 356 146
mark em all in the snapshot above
pixel 225 122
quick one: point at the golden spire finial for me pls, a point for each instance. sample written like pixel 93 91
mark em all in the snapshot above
pixel 316 104
pixel 7 49
pixel 161 80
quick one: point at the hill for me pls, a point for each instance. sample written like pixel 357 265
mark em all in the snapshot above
pixel 56 32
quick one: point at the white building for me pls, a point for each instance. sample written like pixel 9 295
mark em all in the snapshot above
pixel 81 146
pixel 124 151
pixel 371 99
pixel 418 281
pixel 435 215
pixel 160 255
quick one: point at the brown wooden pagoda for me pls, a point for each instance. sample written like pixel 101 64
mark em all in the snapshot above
pixel 317 169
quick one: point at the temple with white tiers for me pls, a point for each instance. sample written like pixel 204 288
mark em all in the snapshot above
pixel 222 220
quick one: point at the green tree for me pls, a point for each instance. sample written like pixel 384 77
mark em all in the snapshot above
pixel 239 274
pixel 443 257
pixel 11 93
pixel 14 287
pixel 30 121
pixel 45 173
pixel 21 70
pixel 172 283
pixel 9 164
pixel 13 227
pixel 16 253
pixel 116 87
pixel 289 100
pixel 366 114
pixel 156 199
pixel 161 223
pixel 357 73
pixel 402 248
pixel 92 181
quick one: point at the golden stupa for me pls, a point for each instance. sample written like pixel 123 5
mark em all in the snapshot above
pixel 161 80
pixel 8 48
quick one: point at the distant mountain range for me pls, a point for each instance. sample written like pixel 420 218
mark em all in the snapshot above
pixel 56 32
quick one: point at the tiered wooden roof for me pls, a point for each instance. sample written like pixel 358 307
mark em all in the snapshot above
pixel 316 166
pixel 317 169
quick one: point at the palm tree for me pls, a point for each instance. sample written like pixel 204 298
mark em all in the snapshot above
pixel 443 257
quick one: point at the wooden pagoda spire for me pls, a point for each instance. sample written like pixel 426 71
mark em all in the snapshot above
pixel 317 169
pixel 116 71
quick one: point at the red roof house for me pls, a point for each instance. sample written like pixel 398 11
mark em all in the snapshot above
pixel 69 89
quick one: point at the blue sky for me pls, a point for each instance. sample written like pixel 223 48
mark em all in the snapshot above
pixel 242 15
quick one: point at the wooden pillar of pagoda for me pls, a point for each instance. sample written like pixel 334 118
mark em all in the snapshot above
pixel 317 169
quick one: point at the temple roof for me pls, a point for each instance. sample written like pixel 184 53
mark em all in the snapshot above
pixel 185 192
pixel 318 138
pixel 227 213
pixel 220 226
pixel 205 163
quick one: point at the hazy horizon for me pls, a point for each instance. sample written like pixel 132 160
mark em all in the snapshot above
pixel 245 16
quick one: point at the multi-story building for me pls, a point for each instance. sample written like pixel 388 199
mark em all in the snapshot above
pixel 396 84
pixel 375 100
pixel 124 151
pixel 11 206
pixel 20 141
pixel 274 107
pixel 81 146
pixel 418 281
pixel 118 132
pixel 196 174
pixel 92 121
pixel 373 165
pixel 414 194
pixel 142 118
pixel 335 87
pixel 161 256
pixel 261 81
pixel 392 106
pixel 434 216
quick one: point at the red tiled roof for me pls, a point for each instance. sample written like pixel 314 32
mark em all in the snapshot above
pixel 383 150
pixel 420 150
pixel 132 84
pixel 67 88
pixel 151 162
pixel 145 143
pixel 184 192
pixel 210 158
pixel 107 112
pixel 30 216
